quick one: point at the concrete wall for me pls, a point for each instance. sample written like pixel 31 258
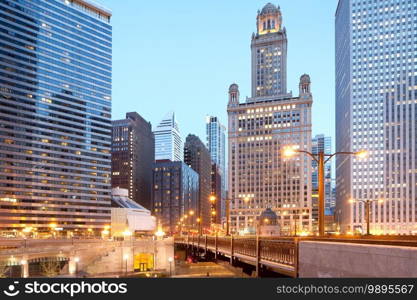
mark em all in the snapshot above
pixel 324 259
pixel 121 259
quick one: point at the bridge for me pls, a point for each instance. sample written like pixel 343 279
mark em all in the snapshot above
pixel 369 256
pixel 91 257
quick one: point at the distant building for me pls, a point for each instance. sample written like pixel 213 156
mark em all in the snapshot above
pixel 216 191
pixel 197 156
pixel 216 144
pixel 175 193
pixel 133 155
pixel 128 217
pixel 321 143
pixel 168 142
pixel 259 176
pixel 268 223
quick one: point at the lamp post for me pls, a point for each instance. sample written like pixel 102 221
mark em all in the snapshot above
pixel 213 199
pixel 321 158
pixel 125 257
pixel 227 216
pixel 170 260
pixel 199 225
pixel 76 260
pixel 367 204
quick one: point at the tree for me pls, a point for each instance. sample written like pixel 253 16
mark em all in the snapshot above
pixel 4 269
pixel 50 268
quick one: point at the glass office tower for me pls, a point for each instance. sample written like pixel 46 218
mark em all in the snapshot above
pixel 55 116
pixel 376 109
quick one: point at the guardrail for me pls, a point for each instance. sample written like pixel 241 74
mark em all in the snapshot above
pixel 280 255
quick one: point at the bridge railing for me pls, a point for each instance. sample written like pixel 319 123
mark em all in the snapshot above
pixel 282 252
pixel 277 252
pixel 245 246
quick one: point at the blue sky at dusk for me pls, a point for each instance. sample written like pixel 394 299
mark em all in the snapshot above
pixel 182 56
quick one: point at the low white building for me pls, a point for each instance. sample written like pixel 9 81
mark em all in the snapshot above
pixel 128 217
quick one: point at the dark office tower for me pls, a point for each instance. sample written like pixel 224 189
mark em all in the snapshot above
pixel 55 116
pixel 133 154
pixel 197 156
pixel 174 195
pixel 216 194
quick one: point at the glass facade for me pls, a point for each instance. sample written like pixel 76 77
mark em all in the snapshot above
pixel 216 143
pixel 168 142
pixel 55 115
pixel 376 91
pixel 323 144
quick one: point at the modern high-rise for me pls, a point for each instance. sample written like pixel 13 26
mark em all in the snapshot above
pixel 323 144
pixel 55 116
pixel 133 155
pixel 197 156
pixel 259 177
pixel 376 109
pixel 216 144
pixel 175 194
pixel 168 142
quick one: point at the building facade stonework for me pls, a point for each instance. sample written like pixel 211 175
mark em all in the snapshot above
pixel 259 129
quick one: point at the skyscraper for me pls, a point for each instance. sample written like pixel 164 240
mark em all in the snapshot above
pixel 376 79
pixel 259 176
pixel 55 115
pixel 216 191
pixel 175 194
pixel 269 54
pixel 197 156
pixel 133 155
pixel 216 144
pixel 319 144
pixel 168 142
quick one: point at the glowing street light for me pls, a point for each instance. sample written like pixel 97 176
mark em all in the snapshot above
pixel 170 260
pixel 321 159
pixel 367 204
pixel 199 225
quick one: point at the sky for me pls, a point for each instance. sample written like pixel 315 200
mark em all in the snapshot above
pixel 183 55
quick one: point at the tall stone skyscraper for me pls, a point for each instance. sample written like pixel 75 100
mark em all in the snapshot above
pixel 259 177
pixel 197 156
pixel 376 80
pixel 216 144
pixel 133 155
pixel 168 142
pixel 269 54
pixel 55 116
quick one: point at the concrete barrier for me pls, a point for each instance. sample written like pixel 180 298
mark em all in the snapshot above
pixel 335 260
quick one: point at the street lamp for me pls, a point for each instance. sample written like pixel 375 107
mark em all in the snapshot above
pixel 367 204
pixel 170 260
pixel 126 257
pixel 321 158
pixel 199 225
pixel 76 260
